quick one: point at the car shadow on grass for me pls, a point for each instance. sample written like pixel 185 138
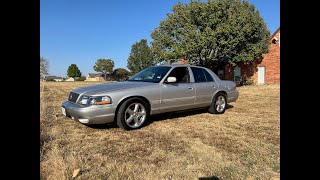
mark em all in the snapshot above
pixel 179 114
pixel 209 178
pixel 102 126
pixel 158 117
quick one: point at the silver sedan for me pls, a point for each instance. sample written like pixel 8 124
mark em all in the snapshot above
pixel 154 90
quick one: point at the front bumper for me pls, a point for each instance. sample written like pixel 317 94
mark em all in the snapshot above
pixel 96 114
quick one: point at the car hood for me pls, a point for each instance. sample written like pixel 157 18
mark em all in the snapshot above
pixel 108 87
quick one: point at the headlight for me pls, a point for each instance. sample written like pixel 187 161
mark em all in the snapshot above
pixel 99 100
pixel 94 100
pixel 83 100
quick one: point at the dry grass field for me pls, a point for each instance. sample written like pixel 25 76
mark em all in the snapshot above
pixel 243 143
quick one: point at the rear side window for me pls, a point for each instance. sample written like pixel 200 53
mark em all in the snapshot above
pixel 198 74
pixel 201 75
pixel 208 76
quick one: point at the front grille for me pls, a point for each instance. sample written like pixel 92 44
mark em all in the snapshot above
pixel 73 97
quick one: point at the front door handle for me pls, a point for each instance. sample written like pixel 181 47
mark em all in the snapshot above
pixel 191 88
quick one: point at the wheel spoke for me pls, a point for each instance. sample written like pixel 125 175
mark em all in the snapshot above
pixel 130 119
pixel 219 102
pixel 136 120
pixel 136 107
pixel 130 111
pixel 141 113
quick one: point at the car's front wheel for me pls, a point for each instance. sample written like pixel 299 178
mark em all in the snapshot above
pixel 219 103
pixel 132 114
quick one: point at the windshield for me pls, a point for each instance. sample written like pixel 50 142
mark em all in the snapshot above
pixel 151 74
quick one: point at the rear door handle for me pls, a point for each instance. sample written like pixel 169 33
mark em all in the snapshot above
pixel 191 88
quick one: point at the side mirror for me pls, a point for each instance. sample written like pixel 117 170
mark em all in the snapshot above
pixel 171 79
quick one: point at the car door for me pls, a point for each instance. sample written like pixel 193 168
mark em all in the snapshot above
pixel 179 95
pixel 205 86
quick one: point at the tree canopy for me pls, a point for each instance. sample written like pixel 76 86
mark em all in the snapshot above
pixel 73 71
pixel 121 73
pixel 211 32
pixel 140 56
pixel 104 66
pixel 44 67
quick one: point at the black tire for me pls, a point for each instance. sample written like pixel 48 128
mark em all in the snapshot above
pixel 213 109
pixel 122 115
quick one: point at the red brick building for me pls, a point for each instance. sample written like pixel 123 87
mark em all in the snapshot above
pixel 265 70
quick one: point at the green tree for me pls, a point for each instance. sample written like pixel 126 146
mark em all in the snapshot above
pixel 73 71
pixel 105 66
pixel 120 73
pixel 140 56
pixel 44 66
pixel 211 32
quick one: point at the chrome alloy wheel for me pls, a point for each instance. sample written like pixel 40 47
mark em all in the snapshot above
pixel 220 103
pixel 135 115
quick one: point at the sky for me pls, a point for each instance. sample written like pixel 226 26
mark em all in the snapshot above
pixel 82 31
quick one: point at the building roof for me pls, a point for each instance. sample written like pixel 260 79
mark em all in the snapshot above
pixel 275 32
pixel 93 75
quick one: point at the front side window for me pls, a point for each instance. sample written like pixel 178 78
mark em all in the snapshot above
pixel 152 74
pixel 181 74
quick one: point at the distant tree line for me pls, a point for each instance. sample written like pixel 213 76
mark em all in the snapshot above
pixel 103 66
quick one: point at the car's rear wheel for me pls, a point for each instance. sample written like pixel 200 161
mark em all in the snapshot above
pixel 219 103
pixel 132 114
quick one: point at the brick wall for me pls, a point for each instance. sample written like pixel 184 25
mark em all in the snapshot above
pixel 247 70
pixel 271 62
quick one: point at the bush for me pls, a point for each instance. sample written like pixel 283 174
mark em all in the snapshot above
pixel 247 80
pixel 80 78
pixel 50 79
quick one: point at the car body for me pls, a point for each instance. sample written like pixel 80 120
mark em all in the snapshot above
pixel 154 90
